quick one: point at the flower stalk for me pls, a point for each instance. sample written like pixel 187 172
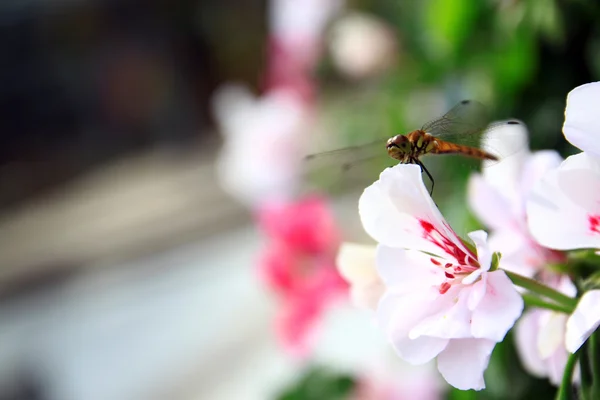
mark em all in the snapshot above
pixel 566 303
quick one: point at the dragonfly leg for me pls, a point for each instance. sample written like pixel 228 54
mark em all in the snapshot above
pixel 423 169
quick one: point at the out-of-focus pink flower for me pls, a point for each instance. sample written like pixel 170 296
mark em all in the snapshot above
pixel 584 320
pixel 299 265
pixel 408 385
pixel 564 207
pixel 362 46
pixel 441 300
pixel 263 140
pixel 498 197
pixel 540 335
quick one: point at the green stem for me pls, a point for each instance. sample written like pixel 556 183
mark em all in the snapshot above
pixel 594 365
pixel 565 389
pixel 585 372
pixel 535 301
pixel 542 290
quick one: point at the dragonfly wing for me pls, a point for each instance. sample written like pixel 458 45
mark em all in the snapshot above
pixel 463 124
pixel 345 157
pixel 505 139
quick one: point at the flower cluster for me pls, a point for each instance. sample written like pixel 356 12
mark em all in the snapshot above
pixel 439 296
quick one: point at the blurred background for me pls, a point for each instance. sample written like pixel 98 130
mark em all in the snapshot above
pixel 126 265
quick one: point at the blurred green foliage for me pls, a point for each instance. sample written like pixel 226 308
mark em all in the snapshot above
pixel 320 383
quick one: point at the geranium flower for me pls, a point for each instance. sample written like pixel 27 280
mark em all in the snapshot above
pixel 441 298
pixel 498 197
pixel 540 335
pixel 261 154
pixel 564 207
pixel 298 264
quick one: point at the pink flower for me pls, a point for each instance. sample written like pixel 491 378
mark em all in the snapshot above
pixel 299 265
pixel 498 198
pixel 441 298
pixel 540 335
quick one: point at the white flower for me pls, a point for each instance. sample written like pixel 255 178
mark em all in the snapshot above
pixel 564 207
pixel 582 119
pixel 440 299
pixel 498 197
pixel 261 154
pixel 540 336
pixel 361 45
pixel 356 264
pixel 584 320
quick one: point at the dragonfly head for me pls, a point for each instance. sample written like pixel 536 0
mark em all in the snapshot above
pixel 398 147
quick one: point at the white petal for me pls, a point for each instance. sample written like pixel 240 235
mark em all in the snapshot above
pixel 554 220
pixel 407 270
pixel 581 161
pixel 584 320
pixel 489 204
pixel 536 167
pixel 526 334
pixel 451 317
pixel 552 333
pixel 394 208
pixel 484 255
pixel 463 362
pixel 397 314
pixel 520 253
pixel 582 119
pixel 499 309
pixel 356 264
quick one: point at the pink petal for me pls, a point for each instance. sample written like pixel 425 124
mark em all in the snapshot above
pixel 584 320
pixel 536 167
pixel 582 120
pixel 499 309
pixel 463 362
pixel 526 334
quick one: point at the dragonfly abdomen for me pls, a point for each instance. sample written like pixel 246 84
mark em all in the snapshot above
pixel 443 147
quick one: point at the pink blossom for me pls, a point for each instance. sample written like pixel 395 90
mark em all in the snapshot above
pixel 441 299
pixel 298 264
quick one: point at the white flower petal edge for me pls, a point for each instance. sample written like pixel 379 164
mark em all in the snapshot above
pixel 563 208
pixel 463 362
pixel 356 264
pixel 584 320
pixel 582 120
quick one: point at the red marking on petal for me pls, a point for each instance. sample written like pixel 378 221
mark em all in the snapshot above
pixel 448 265
pixel 428 226
pixel 594 223
pixel 449 275
pixel 434 261
pixel 444 287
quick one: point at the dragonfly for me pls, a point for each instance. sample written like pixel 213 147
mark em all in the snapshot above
pixel 464 130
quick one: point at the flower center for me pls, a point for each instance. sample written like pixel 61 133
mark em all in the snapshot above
pixel 460 263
